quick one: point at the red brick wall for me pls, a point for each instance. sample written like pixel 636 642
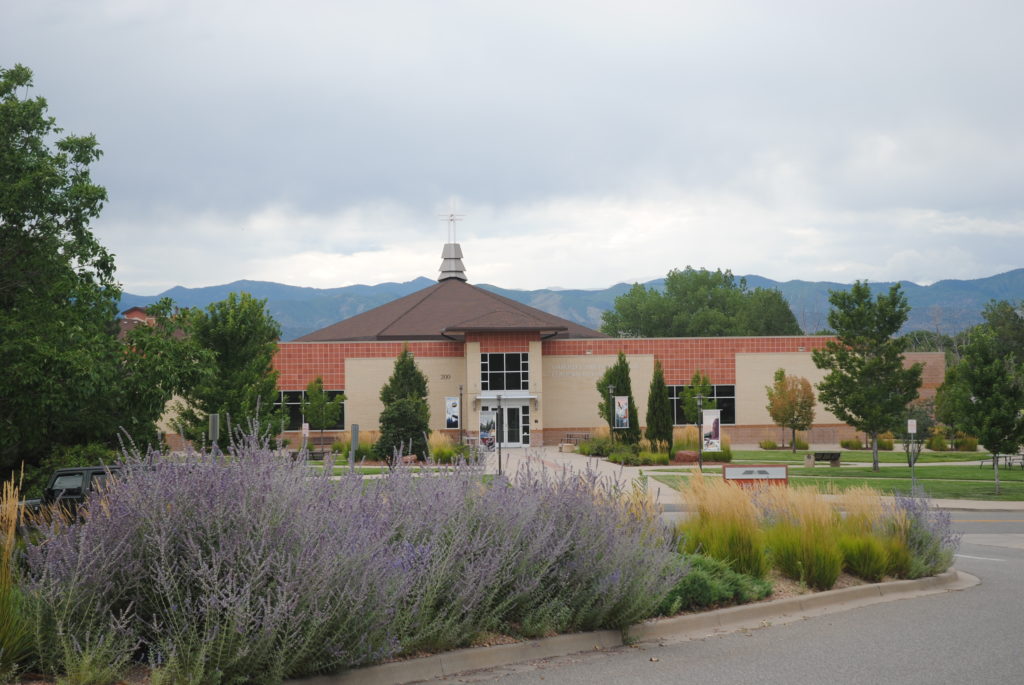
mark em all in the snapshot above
pixel 681 357
pixel 300 363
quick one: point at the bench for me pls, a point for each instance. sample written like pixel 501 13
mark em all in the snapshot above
pixel 831 457
pixel 575 438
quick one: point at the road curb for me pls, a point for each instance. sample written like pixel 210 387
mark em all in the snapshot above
pixel 677 628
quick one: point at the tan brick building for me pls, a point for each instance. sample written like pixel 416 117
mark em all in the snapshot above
pixel 482 349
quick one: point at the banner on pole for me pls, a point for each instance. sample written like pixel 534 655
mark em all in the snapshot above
pixel 621 420
pixel 712 430
pixel 451 412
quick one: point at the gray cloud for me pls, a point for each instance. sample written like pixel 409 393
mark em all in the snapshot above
pixel 886 135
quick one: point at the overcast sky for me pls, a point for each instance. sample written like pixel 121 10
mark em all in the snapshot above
pixel 315 142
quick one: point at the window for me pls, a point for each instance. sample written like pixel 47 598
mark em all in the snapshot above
pixel 723 395
pixel 291 400
pixel 505 371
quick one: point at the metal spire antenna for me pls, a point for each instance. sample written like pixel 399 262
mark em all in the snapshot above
pixel 451 256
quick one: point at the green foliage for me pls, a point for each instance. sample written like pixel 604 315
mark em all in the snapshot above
pixel 807 553
pixel 965 443
pixel 617 376
pixel 405 420
pixel 449 454
pixel 659 411
pixel 406 380
pixel 851 444
pixel 90 454
pixel 320 409
pixel 791 404
pixel 240 336
pixel 866 385
pixel 596 447
pixel 700 384
pixel 885 444
pixel 767 445
pixel 710 583
pixel 739 544
pixel 800 444
pixel 898 555
pixel 937 443
pixel 865 556
pixel 628 457
pixel 985 391
pixel 699 303
pixel 59 352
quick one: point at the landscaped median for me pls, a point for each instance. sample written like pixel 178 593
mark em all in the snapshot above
pixel 247 568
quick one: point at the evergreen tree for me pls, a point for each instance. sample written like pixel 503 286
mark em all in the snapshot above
pixel 405 420
pixel 659 411
pixel 867 385
pixel 700 384
pixel 617 376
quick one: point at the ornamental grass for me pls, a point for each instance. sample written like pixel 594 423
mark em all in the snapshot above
pixel 247 568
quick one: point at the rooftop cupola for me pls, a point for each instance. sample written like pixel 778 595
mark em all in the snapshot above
pixel 451 263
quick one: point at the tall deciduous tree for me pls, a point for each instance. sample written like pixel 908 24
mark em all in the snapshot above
pixel 791 403
pixel 700 386
pixel 867 385
pixel 617 376
pixel 58 298
pixel 241 337
pixel 319 408
pixel 698 303
pixel 984 393
pixel 405 420
pixel 659 411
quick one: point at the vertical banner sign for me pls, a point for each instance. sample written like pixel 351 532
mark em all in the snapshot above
pixel 451 412
pixel 712 430
pixel 621 412
pixel 488 426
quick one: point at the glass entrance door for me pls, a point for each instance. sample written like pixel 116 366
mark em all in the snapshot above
pixel 514 428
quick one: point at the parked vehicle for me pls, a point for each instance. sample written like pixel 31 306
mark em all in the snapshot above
pixel 71 485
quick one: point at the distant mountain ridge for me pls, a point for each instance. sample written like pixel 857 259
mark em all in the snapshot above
pixel 946 306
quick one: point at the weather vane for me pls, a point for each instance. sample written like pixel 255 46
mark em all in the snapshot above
pixel 452 218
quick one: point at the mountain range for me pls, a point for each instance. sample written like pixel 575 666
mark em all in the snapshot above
pixel 947 306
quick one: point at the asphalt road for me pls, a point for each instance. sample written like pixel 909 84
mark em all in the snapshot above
pixel 970 636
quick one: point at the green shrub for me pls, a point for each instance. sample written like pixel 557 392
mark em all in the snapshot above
pixel 596 447
pixel 809 554
pixel 739 544
pixel 801 444
pixel 865 556
pixel 449 454
pixel 885 444
pixel 965 443
pixel 767 445
pixel 627 456
pixel 937 443
pixel 851 444
pixel 339 447
pixel 898 556
pixel 711 583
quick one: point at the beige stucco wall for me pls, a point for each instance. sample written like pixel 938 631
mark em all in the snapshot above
pixel 570 397
pixel 366 376
pixel 754 372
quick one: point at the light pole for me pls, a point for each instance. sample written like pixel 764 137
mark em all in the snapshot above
pixel 460 414
pixel 700 431
pixel 611 412
pixel 499 429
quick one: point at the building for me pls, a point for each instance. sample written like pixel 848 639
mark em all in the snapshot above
pixel 483 354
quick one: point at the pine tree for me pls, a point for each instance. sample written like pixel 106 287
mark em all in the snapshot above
pixel 659 411
pixel 617 376
pixel 405 421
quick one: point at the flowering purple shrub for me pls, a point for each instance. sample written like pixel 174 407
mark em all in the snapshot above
pixel 928 534
pixel 246 568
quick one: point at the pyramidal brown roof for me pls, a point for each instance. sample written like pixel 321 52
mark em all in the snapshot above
pixel 447 311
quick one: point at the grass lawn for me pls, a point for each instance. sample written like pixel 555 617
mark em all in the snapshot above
pixel 973 483
pixel 856 456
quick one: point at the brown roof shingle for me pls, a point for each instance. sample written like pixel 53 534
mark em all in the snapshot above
pixel 445 311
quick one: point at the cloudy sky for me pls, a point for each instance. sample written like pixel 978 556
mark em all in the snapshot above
pixel 316 142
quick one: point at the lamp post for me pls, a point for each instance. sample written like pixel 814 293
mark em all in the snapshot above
pixel 700 431
pixel 611 412
pixel 460 414
pixel 499 429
